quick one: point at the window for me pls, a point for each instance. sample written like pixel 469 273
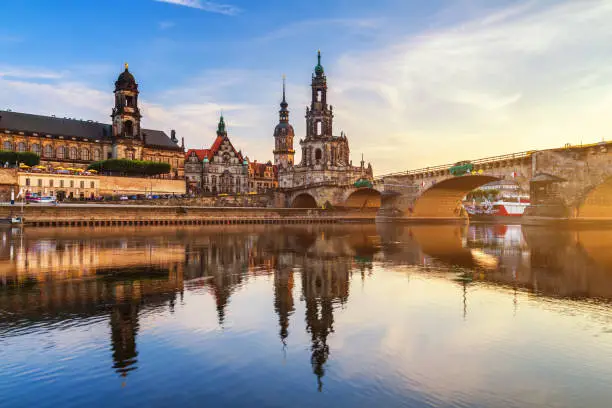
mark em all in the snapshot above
pixel 82 184
pixel 7 146
pixel 35 148
pixel 48 151
pixel 318 154
pixel 128 128
pixel 61 152
pixel 319 95
pixel 85 154
pixel 50 182
pixel 71 183
pixel 92 185
pixel 62 183
pixel 319 128
pixel 73 153
pixel 21 147
pixel 39 182
pixel 97 154
pixel 27 182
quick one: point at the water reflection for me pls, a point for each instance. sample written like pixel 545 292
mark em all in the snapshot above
pixel 51 276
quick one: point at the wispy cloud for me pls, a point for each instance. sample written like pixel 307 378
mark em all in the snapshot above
pixel 164 25
pixel 520 78
pixel 307 26
pixel 204 5
pixel 28 73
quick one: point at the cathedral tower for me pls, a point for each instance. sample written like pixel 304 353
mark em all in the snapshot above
pixel 126 115
pixel 283 136
pixel 319 116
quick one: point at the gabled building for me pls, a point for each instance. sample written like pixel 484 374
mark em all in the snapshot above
pixel 77 143
pixel 262 176
pixel 220 169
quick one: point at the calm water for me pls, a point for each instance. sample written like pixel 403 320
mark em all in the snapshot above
pixel 343 316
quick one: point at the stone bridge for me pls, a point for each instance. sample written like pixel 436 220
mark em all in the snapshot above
pixel 330 194
pixel 570 182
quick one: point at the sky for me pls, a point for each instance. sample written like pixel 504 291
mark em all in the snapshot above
pixel 413 83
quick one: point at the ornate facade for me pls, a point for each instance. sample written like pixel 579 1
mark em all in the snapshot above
pixel 220 169
pixel 76 143
pixel 325 157
pixel 262 176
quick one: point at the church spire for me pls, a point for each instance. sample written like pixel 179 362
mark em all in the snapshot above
pixel 284 112
pixel 221 127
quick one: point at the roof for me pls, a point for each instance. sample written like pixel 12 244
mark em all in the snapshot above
pixel 200 153
pixel 259 169
pixel 85 129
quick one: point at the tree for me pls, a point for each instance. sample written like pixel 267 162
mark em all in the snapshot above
pixel 130 167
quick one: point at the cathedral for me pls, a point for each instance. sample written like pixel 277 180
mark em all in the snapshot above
pixel 325 158
pixel 77 143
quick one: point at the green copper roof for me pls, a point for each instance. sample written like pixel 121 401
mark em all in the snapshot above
pixel 319 67
pixel 221 127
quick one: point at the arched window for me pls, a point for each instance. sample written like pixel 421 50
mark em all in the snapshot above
pixel 73 153
pixel 35 148
pixel 97 154
pixel 7 146
pixel 319 128
pixel 129 128
pixel 61 152
pixel 21 147
pixel 318 154
pixel 48 151
pixel 85 154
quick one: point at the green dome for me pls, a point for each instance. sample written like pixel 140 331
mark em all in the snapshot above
pixel 205 160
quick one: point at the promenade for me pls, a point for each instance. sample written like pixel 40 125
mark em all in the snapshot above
pixel 67 215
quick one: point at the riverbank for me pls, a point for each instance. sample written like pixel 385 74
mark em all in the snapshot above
pixel 77 215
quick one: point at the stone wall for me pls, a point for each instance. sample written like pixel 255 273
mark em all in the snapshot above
pixel 110 185
pixel 260 200
pixel 70 213
pixel 8 182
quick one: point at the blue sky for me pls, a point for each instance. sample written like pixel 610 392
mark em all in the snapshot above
pixel 413 82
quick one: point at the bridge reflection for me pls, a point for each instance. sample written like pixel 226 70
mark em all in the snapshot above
pixel 47 276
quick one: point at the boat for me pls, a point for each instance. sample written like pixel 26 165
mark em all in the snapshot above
pixel 13 221
pixel 506 209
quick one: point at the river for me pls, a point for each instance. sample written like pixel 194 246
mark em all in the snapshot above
pixel 306 316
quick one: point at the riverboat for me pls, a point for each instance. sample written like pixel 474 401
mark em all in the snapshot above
pixel 504 209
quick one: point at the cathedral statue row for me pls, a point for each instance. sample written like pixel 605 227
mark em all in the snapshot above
pixel 325 158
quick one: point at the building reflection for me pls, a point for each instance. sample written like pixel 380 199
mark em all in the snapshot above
pixel 50 275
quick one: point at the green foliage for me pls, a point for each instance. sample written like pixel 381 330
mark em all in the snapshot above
pixel 13 158
pixel 130 167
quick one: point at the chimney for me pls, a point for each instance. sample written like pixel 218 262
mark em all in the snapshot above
pixel 173 136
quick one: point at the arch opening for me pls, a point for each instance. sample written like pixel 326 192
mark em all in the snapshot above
pixel 444 199
pixel 364 198
pixel 304 200
pixel 596 202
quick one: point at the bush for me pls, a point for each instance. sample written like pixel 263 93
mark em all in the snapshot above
pixel 29 158
pixel 130 167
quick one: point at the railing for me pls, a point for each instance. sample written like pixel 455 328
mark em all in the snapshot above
pixel 486 160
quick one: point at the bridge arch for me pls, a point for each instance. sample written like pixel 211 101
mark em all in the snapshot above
pixel 304 200
pixel 363 198
pixel 443 199
pixel 596 202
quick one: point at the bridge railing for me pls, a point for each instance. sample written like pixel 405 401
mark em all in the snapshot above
pixel 486 160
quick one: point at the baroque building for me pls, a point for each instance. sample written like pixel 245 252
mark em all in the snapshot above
pixel 262 176
pixel 325 157
pixel 220 169
pixel 77 143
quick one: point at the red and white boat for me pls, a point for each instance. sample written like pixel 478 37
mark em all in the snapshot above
pixel 504 209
